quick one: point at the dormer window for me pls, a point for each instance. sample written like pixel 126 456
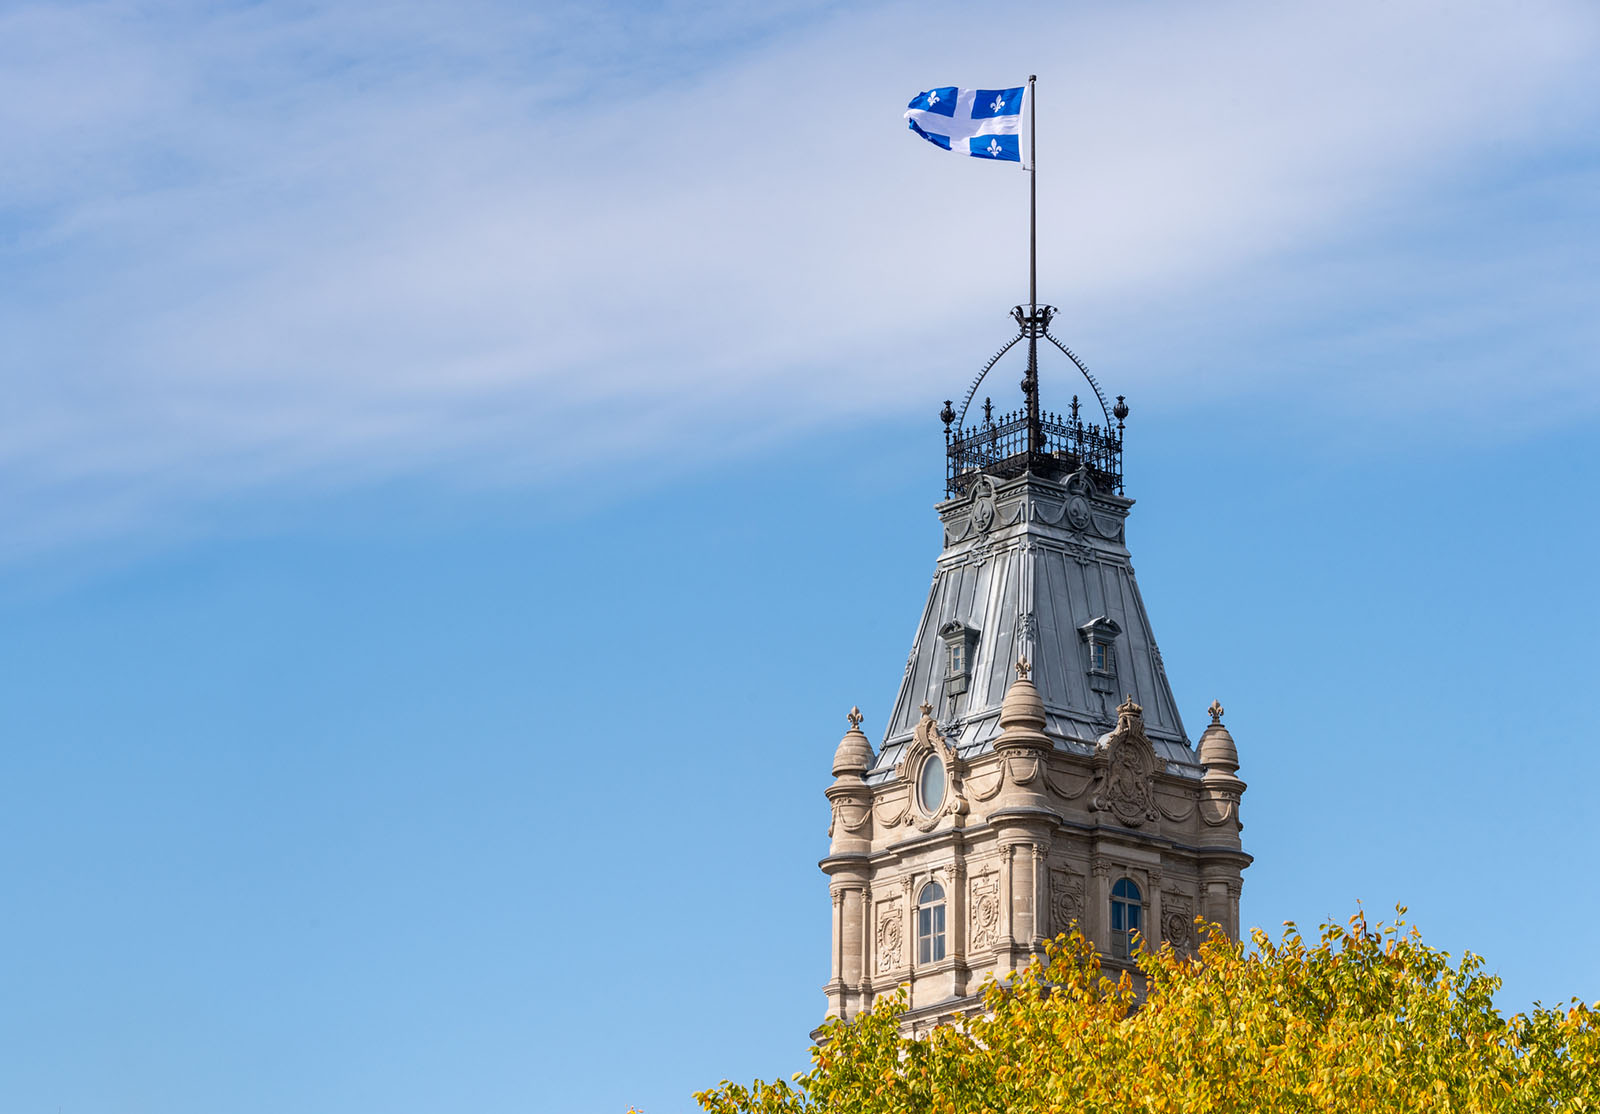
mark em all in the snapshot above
pixel 1100 652
pixel 960 641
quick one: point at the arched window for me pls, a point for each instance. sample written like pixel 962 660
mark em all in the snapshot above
pixel 1127 917
pixel 930 923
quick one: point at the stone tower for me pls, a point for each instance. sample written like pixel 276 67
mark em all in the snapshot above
pixel 1034 773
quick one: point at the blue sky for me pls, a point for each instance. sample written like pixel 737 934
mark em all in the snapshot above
pixel 460 466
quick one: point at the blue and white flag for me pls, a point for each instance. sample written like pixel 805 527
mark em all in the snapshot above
pixel 983 123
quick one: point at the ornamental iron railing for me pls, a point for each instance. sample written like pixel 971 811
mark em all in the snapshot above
pixel 1002 447
pixel 1030 439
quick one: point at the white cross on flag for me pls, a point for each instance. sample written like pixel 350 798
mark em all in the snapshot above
pixel 983 123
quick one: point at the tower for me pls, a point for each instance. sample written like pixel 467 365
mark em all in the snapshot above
pixel 1034 773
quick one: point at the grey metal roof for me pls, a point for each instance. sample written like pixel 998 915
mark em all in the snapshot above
pixel 1030 563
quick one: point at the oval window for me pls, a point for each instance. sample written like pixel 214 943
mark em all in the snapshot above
pixel 930 783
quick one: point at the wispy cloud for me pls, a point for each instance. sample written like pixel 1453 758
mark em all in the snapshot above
pixel 270 245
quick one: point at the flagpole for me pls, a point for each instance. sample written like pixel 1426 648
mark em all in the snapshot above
pixel 1035 430
pixel 1033 199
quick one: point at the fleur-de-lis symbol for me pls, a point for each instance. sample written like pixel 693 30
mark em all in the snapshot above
pixel 994 148
pixel 933 98
pixel 999 103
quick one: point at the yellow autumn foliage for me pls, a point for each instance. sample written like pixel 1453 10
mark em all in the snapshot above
pixel 1366 1019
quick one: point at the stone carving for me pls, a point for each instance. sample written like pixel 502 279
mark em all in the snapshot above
pixel 1064 787
pixel 1216 711
pixel 1220 807
pixel 1127 769
pixel 1108 527
pixel 1077 512
pixel 985 785
pixel 892 808
pixel 1081 482
pixel 853 815
pixel 891 936
pixel 984 504
pixel 1177 920
pixel 985 911
pixel 983 513
pixel 1066 900
pixel 1178 814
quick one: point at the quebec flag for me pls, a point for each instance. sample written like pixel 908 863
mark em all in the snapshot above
pixel 983 123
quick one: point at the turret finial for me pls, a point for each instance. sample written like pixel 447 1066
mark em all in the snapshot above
pixel 1024 667
pixel 1216 711
pixel 855 717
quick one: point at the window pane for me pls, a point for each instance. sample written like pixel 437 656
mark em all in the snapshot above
pixel 930 893
pixel 931 783
pixel 938 948
pixel 1135 915
pixel 1118 914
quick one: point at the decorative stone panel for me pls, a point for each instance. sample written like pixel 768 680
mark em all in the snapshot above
pixel 985 911
pixel 1066 901
pixel 890 936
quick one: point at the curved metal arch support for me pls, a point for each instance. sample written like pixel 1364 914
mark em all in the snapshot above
pixel 977 382
pixel 1105 407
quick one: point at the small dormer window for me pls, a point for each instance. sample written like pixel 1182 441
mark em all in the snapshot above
pixel 959 640
pixel 1100 652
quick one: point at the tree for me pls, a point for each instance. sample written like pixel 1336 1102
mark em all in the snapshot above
pixel 1365 1020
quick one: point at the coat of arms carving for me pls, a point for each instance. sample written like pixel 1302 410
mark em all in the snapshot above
pixel 1130 762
